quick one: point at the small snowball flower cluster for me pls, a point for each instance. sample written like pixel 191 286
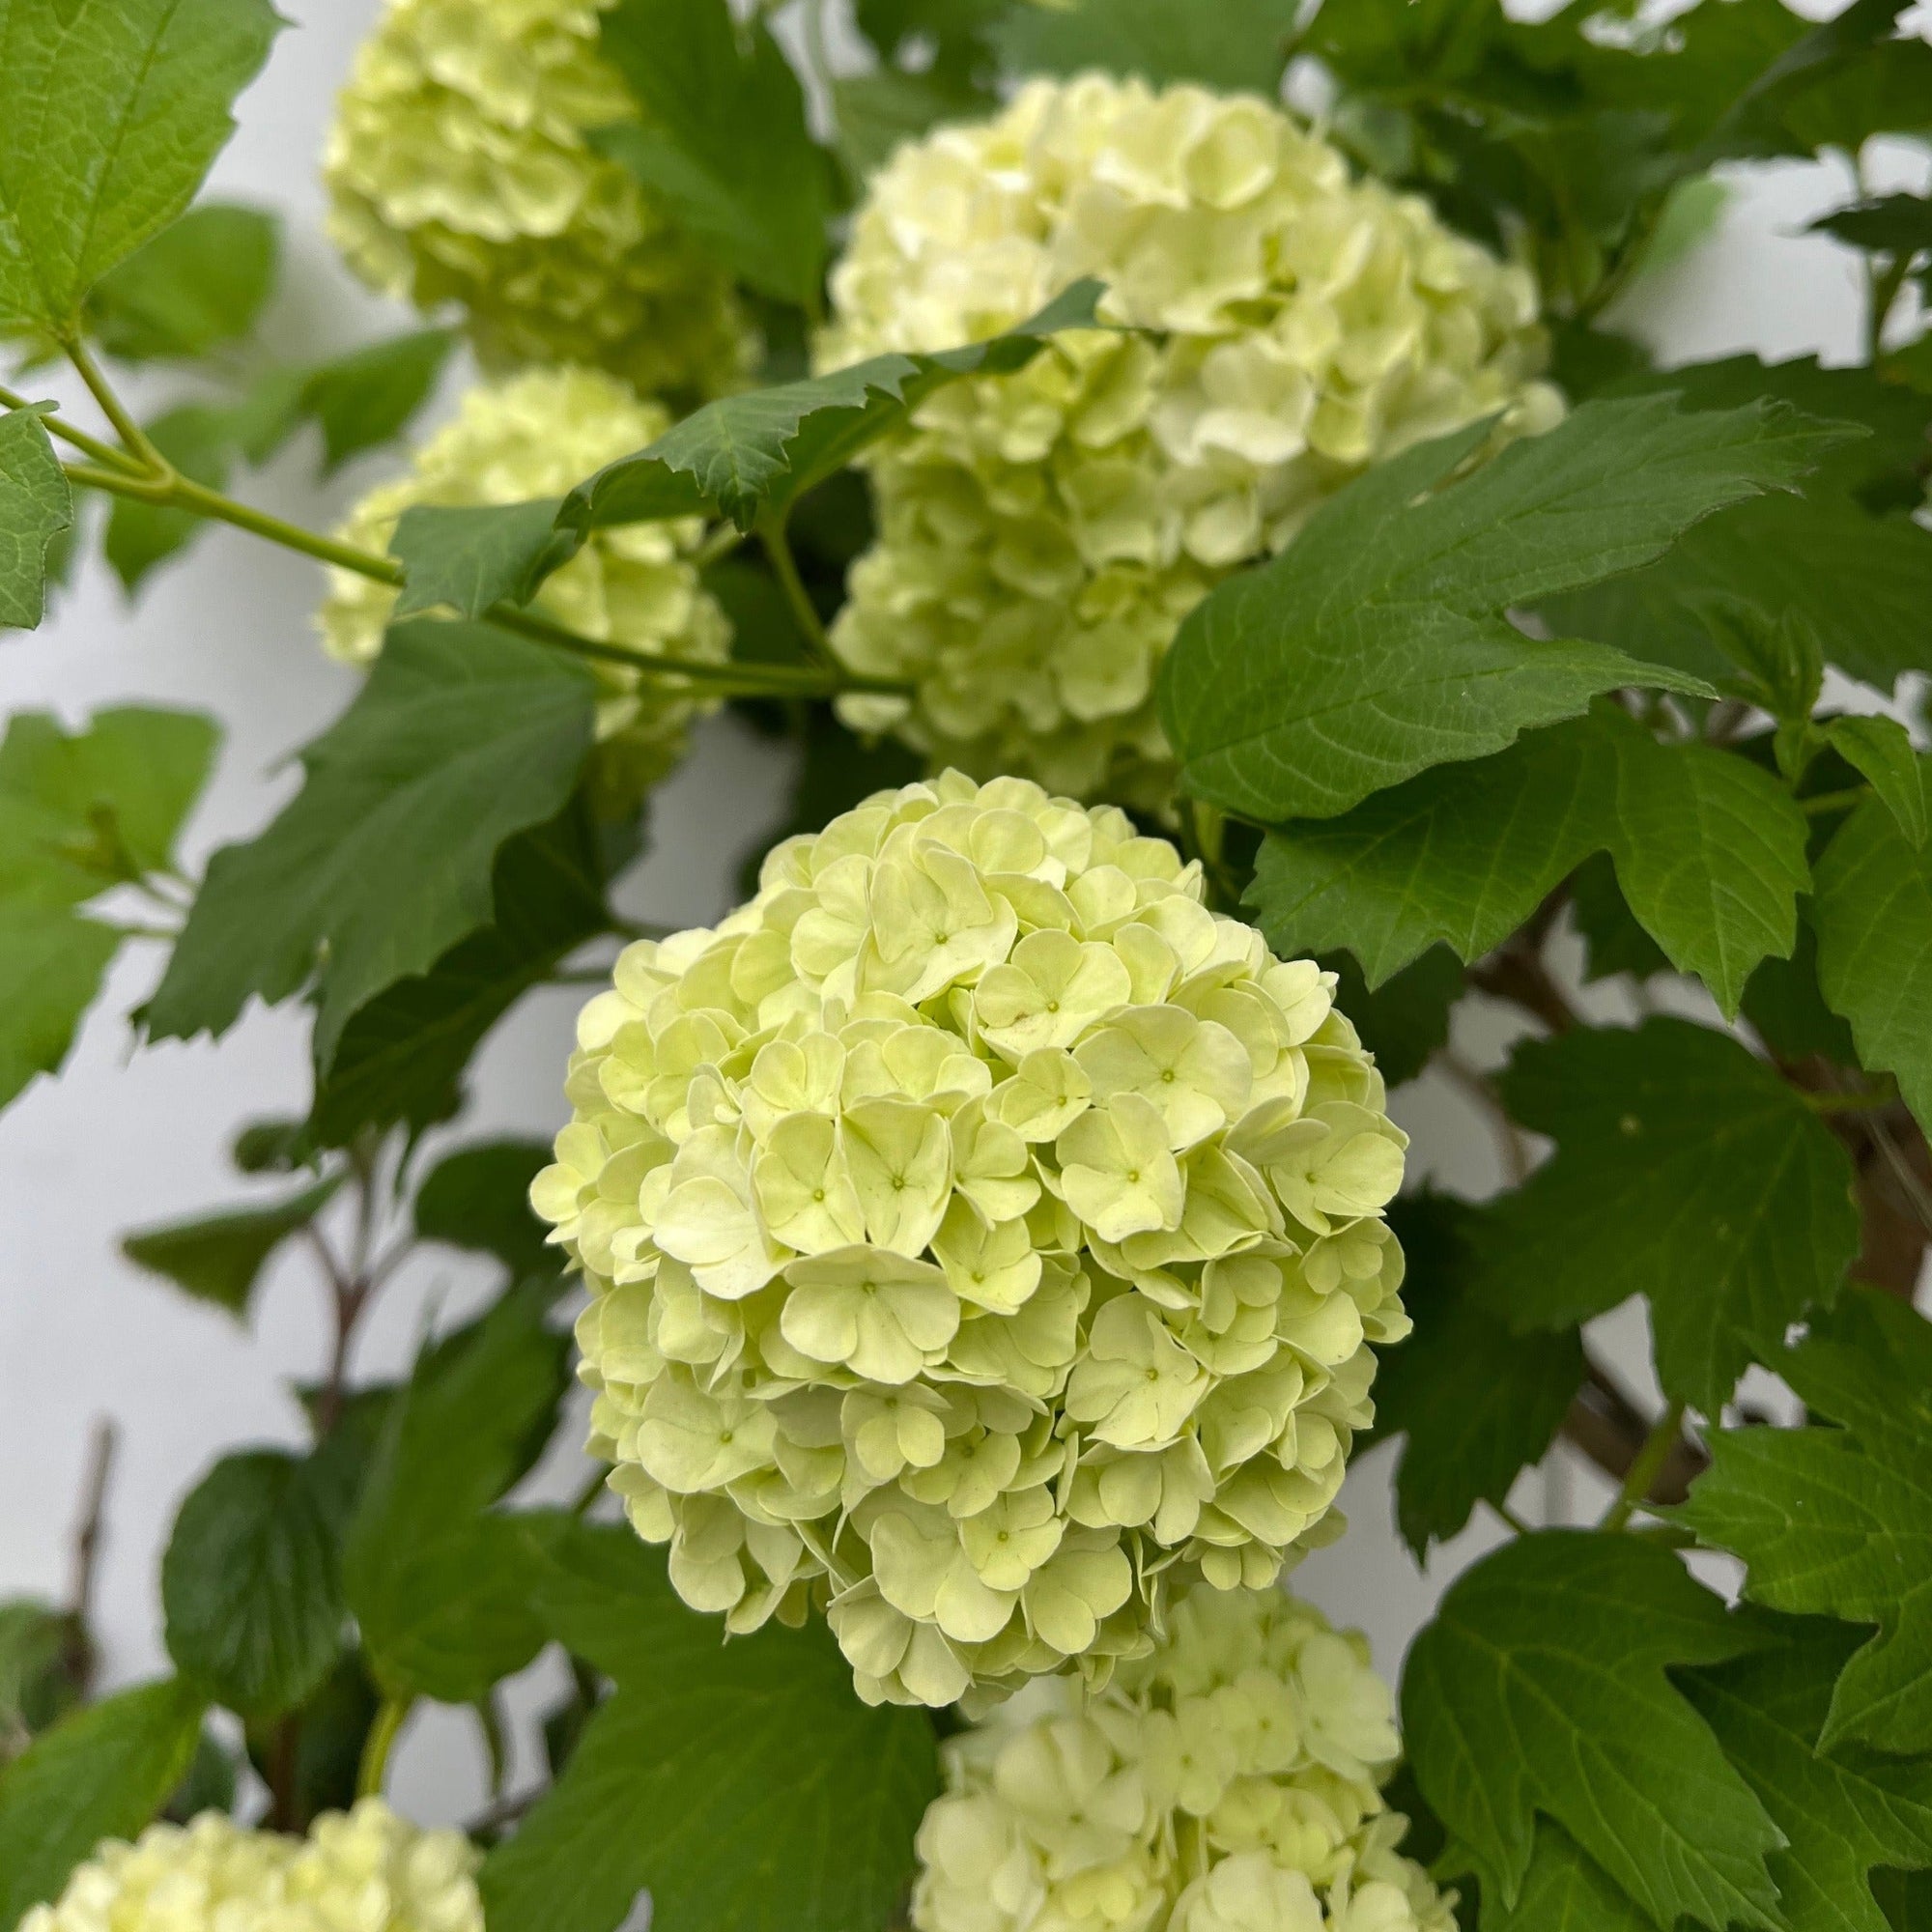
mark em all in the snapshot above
pixel 982 1236
pixel 1227 1783
pixel 367 1870
pixel 458 170
pixel 1043 534
pixel 538 435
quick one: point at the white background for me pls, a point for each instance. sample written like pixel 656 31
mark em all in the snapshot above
pixel 121 1142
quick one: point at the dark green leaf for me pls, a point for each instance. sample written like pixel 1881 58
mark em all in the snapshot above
pixel 1237 45
pixel 438 1587
pixel 478 1197
pixel 723 143
pixel 742 1783
pixel 198 439
pixel 368 397
pixel 754 455
pixel 1894 224
pixel 953 28
pixel 1541 1688
pixel 210 1785
pixel 1784 1003
pixel 467 560
pixel 1880 748
pixel 402 1057
pixel 36 507
pixel 330 1731
pixel 1843 1814
pixel 1563 1891
pixel 198 284
pixel 110 112
pixel 218 1258
pixel 266 1147
pixel 1874 916
pixel 1686 1171
pixel 462 736
pixel 1614 941
pixel 1838 1521
pixel 879 111
pixel 251 1583
pixel 1477 1405
pixel 1377 644
pixel 36 1686
pixel 1405 1019
pixel 51 963
pixel 102 1773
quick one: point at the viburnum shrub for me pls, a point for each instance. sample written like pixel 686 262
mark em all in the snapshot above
pixel 1244 626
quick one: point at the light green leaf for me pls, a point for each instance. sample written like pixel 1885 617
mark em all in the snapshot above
pixel 478 1198
pixel 1686 1171
pixel 723 143
pixel 462 736
pixel 1236 45
pixel 1880 748
pixel 368 397
pixel 199 440
pixel 251 1583
pixel 110 112
pixel 467 560
pixel 752 456
pixel 198 284
pixel 36 509
pixel 218 1258
pixel 1838 1521
pixel 742 1783
pixel 1843 1814
pixel 102 1773
pixel 1873 912
pixel 878 112
pixel 1377 644
pixel 51 963
pixel 1541 1688
pixel 439 1589
pixel 1477 1405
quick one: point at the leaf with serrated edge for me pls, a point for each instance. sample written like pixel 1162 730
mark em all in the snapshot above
pixel 1377 644
pixel 51 965
pixel 1686 1171
pixel 218 1258
pixel 198 284
pixel 1873 912
pixel 478 1198
pixel 462 737
pixel 36 507
pixel 1838 1522
pixel 743 1783
pixel 466 560
pixel 110 112
pixel 1881 749
pixel 1564 1891
pixel 1540 1688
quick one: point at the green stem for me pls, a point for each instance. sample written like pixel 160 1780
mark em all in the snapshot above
pixel 115 411
pixel 1643 1472
pixel 778 547
pixel 88 445
pixel 1831 801
pixel 167 935
pixel 374 1770
pixel 586 1497
pixel 1846 1103
pixel 1884 290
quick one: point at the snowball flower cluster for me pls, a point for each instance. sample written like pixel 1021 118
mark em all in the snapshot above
pixel 1043 534
pixel 538 435
pixel 458 170
pixel 368 1869
pixel 1227 1783
pixel 982 1237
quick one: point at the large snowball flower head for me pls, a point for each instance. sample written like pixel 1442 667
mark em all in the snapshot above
pixel 368 1869
pixel 1229 1782
pixel 983 1237
pixel 459 170
pixel 538 435
pixel 1043 534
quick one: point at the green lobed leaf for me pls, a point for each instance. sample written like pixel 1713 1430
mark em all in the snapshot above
pixel 467 560
pixel 368 397
pixel 35 509
pixel 723 143
pixel 198 439
pixel 102 1773
pixel 1477 1405
pixel 1843 1814
pixel 752 456
pixel 251 1583
pixel 462 736
pixel 1613 941
pixel 51 965
pixel 202 283
pixel 402 1057
pixel 1873 912
pixel 1891 224
pixel 1784 1003
pixel 439 1589
pixel 1236 46
pixel 1563 1891
pixel 1838 1521
pixel 1541 1690
pixel 1686 1171
pixel 219 1258
pixel 1377 645
pixel 1880 748
pixel 743 1783
pixel 110 112
pixel 478 1198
